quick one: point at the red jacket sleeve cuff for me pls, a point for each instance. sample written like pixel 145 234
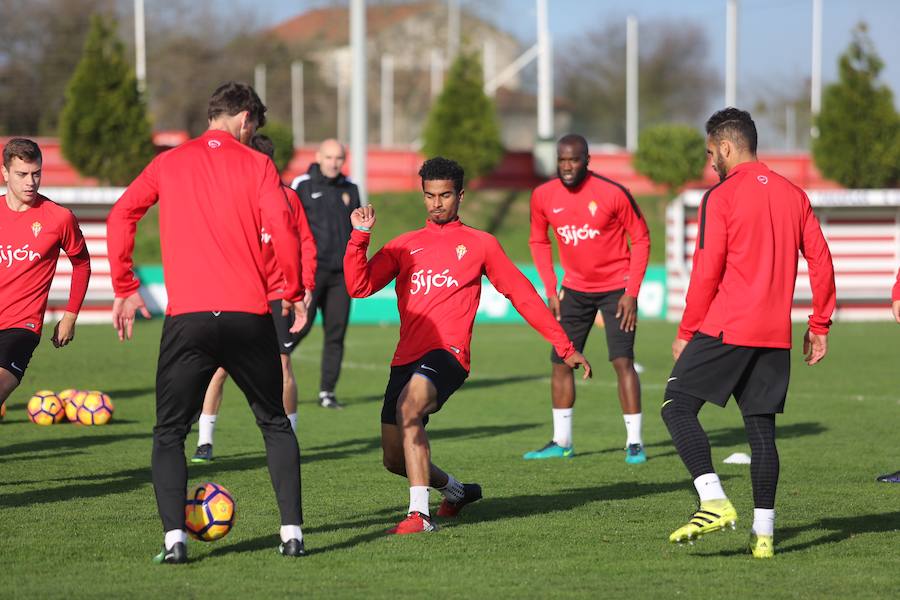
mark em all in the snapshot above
pixel 125 290
pixel 684 334
pixel 567 351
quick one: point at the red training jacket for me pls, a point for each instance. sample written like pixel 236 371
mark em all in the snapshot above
pixel 275 278
pixel 751 227
pixel 30 242
pixel 215 195
pixel 590 223
pixel 438 271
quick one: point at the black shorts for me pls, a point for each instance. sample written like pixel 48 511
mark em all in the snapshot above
pixel 713 371
pixel 287 341
pixel 438 366
pixel 577 313
pixel 16 347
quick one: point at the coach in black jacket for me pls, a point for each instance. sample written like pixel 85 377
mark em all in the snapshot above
pixel 329 197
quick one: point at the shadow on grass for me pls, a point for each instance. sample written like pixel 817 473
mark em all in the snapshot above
pixel 131 393
pixel 59 446
pixel 371 444
pixel 729 436
pixel 837 529
pixel 474 384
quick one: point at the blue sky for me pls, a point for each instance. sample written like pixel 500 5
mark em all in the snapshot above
pixel 775 36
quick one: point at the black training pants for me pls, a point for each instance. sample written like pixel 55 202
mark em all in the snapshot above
pixel 193 346
pixel 331 297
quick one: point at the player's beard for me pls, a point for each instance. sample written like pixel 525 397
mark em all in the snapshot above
pixel 580 174
pixel 720 168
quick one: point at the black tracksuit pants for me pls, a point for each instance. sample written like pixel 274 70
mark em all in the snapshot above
pixel 331 297
pixel 193 346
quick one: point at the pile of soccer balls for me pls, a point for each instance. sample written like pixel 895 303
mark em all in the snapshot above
pixel 78 406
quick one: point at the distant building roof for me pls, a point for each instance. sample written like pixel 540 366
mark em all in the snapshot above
pixel 330 26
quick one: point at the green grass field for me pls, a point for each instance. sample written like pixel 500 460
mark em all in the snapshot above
pixel 78 516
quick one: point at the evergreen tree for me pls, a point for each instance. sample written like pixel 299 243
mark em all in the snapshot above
pixel 859 128
pixel 670 155
pixel 462 124
pixel 104 128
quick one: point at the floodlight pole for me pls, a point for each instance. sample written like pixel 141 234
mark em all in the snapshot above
pixel 815 101
pixel 545 74
pixel 297 116
pixel 358 125
pixel 437 73
pixel 140 46
pixel 453 18
pixel 489 64
pixel 259 81
pixel 731 48
pixel 631 84
pixel 387 100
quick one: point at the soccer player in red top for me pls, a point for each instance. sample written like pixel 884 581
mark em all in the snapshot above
pixel 287 341
pixel 735 334
pixel 33 229
pixel 593 218
pixel 215 195
pixel 438 270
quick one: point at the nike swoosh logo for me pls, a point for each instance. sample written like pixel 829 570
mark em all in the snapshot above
pixel 316 195
pixel 416 250
pixel 556 211
pixel 13 365
pixel 288 344
pixel 427 367
pixel 671 379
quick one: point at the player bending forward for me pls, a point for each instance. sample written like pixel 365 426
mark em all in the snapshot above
pixel 438 270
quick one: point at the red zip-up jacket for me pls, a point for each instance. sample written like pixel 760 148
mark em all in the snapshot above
pixel 590 223
pixel 438 271
pixel 751 227
pixel 275 278
pixel 30 242
pixel 215 196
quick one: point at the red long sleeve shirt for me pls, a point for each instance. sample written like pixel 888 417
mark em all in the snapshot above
pixel 895 293
pixel 438 271
pixel 275 278
pixel 30 242
pixel 751 227
pixel 590 223
pixel 215 196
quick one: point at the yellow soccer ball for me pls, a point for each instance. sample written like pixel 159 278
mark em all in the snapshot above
pixel 96 409
pixel 45 408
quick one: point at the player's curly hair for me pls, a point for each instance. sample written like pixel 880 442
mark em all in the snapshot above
pixel 733 124
pixel 442 169
pixel 233 97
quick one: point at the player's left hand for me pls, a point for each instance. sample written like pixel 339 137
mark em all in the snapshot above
pixel 64 332
pixel 576 359
pixel 895 310
pixel 307 299
pixel 300 315
pixel 626 312
pixel 815 347
pixel 123 313
pixel 678 347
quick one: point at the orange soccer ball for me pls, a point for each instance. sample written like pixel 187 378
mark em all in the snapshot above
pixel 45 408
pixel 209 512
pixel 96 409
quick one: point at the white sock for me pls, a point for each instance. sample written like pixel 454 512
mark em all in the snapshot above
pixel 418 499
pixel 454 490
pixel 709 487
pixel 633 428
pixel 174 536
pixel 764 521
pixel 207 428
pixel 293 419
pixel 290 532
pixel 562 426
